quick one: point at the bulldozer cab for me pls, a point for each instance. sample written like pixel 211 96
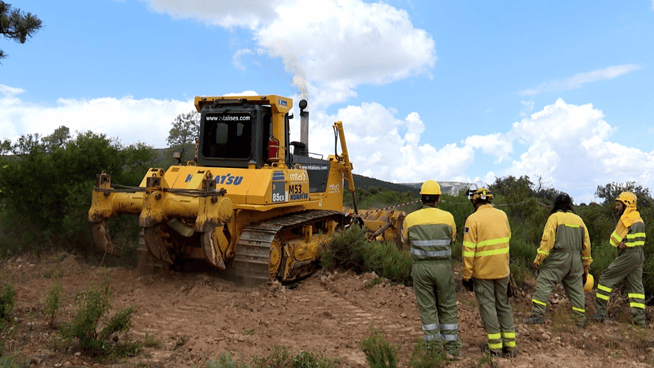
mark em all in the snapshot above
pixel 244 131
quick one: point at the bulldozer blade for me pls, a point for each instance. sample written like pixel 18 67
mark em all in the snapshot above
pixel 210 249
pixel 154 241
pixel 103 239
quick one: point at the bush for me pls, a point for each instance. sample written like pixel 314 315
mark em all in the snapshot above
pixel 380 353
pixel 93 304
pixel 52 302
pixel 7 302
pixel 427 355
pixel 224 361
pixel 282 358
pixel 35 217
pixel 351 251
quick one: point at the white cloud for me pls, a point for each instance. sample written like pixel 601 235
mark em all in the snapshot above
pixel 131 120
pixel 331 46
pixel 495 144
pixel 237 58
pixel 391 150
pixel 578 80
pixel 569 145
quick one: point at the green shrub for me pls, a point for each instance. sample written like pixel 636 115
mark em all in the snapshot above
pixel 427 355
pixel 7 302
pixel 519 271
pixel 13 362
pixel 93 304
pixel 150 341
pixel 387 261
pixel 380 353
pixel 224 361
pixel 350 250
pixel 52 302
pixel 281 357
pixel 522 251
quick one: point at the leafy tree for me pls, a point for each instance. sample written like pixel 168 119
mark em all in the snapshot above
pixel 57 139
pixel 17 25
pixel 185 130
pixel 45 188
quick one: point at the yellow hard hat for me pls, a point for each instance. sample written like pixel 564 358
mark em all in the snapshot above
pixel 590 282
pixel 430 187
pixel 628 198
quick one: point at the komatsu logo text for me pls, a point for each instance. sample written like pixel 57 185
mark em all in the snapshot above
pixel 229 179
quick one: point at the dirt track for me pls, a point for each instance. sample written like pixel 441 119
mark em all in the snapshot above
pixel 197 316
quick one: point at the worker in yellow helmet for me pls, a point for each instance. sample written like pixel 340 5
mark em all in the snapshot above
pixel 629 238
pixel 486 269
pixel 430 232
pixel 563 256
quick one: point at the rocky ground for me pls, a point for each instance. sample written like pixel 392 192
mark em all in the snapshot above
pixel 191 318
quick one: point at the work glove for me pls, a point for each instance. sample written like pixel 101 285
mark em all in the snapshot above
pixel 468 284
pixel 538 260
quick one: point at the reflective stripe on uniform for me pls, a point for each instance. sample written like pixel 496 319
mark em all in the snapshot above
pixel 637 305
pixel 486 252
pixel 495 346
pixel 543 252
pixel 449 337
pixel 617 239
pixel 495 336
pixel 508 335
pixel 637 296
pixel 431 243
pixel 430 327
pixel 571 225
pixel 509 344
pixel 578 310
pixel 604 288
pixel 635 239
pixel 539 302
pixel 450 327
pixel 486 242
pixel 436 253
pixel 602 296
pixel 430 337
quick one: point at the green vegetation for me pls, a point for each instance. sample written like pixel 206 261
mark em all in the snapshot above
pixel 350 250
pixel 46 185
pixel 280 357
pixel 7 302
pixel 93 303
pixel 427 355
pixel 52 302
pixel 380 353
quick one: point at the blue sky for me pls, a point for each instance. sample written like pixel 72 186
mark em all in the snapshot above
pixel 426 89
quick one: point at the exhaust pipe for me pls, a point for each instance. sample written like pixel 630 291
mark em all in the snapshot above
pixel 304 124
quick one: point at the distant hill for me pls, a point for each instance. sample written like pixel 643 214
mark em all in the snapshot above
pixel 365 182
pixel 450 187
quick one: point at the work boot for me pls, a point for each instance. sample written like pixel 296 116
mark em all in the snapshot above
pixel 597 317
pixel 455 356
pixel 486 349
pixel 534 320
pixel 510 353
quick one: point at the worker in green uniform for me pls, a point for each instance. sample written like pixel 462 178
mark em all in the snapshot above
pixel 486 269
pixel 430 232
pixel 563 256
pixel 629 238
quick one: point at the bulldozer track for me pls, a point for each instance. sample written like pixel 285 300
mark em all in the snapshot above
pixel 253 246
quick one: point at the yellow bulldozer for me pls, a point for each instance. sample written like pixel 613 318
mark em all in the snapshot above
pixel 251 200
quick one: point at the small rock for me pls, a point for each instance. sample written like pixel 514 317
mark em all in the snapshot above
pixel 78 353
pixel 35 361
pixel 641 358
pixel 403 315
